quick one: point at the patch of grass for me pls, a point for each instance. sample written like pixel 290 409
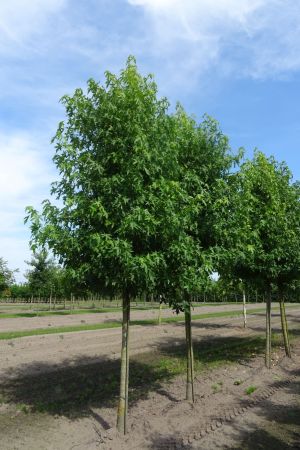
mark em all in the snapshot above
pixel 65 312
pixel 57 313
pixel 216 387
pixel 250 390
pixel 23 408
pixel 40 331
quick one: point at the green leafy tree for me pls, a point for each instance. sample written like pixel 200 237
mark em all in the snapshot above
pixel 6 276
pixel 20 290
pixel 204 159
pixel 259 225
pixel 117 156
pixel 40 276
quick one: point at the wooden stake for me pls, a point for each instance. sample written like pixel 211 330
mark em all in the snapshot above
pixel 268 331
pixel 284 327
pixel 124 378
pixel 190 356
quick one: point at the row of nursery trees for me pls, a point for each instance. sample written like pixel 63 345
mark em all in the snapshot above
pixel 46 279
pixel 152 201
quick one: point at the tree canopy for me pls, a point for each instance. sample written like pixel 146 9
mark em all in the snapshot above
pixel 116 154
pixel 259 223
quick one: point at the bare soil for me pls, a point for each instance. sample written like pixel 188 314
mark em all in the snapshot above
pixel 38 354
pixel 31 323
pixel 34 369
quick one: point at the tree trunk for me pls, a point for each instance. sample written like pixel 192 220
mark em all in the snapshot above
pixel 190 356
pixel 244 309
pixel 268 331
pixel 284 327
pixel 123 399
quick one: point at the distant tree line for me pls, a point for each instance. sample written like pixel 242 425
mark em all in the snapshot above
pixel 45 277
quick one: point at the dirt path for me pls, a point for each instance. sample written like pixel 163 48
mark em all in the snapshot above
pixel 223 416
pixel 31 323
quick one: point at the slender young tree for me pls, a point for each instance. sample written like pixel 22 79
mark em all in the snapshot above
pixel 260 229
pixel 204 159
pixel 116 153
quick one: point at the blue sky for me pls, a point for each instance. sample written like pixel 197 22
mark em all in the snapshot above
pixel 237 60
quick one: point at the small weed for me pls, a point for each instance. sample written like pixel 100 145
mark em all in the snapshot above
pixel 61 336
pixel 250 390
pixel 23 408
pixel 217 387
pixel 238 382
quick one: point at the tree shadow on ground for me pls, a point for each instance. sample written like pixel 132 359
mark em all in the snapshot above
pixel 74 386
pixel 168 443
pixel 214 326
pixel 284 414
pixel 214 349
pixel 261 439
pixel 279 424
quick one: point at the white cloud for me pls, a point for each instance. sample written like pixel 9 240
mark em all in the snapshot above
pixel 22 167
pixel 25 176
pixel 23 20
pixel 257 38
pixel 15 250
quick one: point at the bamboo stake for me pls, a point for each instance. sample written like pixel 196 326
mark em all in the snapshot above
pixel 190 356
pixel 284 328
pixel 159 313
pixel 50 300
pixel 268 331
pixel 123 399
pixel 244 309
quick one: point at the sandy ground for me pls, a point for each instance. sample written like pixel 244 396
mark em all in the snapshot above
pixel 37 354
pixel 223 417
pixel 30 323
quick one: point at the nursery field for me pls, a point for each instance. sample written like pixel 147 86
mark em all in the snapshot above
pixel 59 390
pixel 17 319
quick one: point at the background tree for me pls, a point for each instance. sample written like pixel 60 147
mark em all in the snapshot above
pixel 41 275
pixel 204 158
pixel 259 225
pixel 6 277
pixel 20 290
